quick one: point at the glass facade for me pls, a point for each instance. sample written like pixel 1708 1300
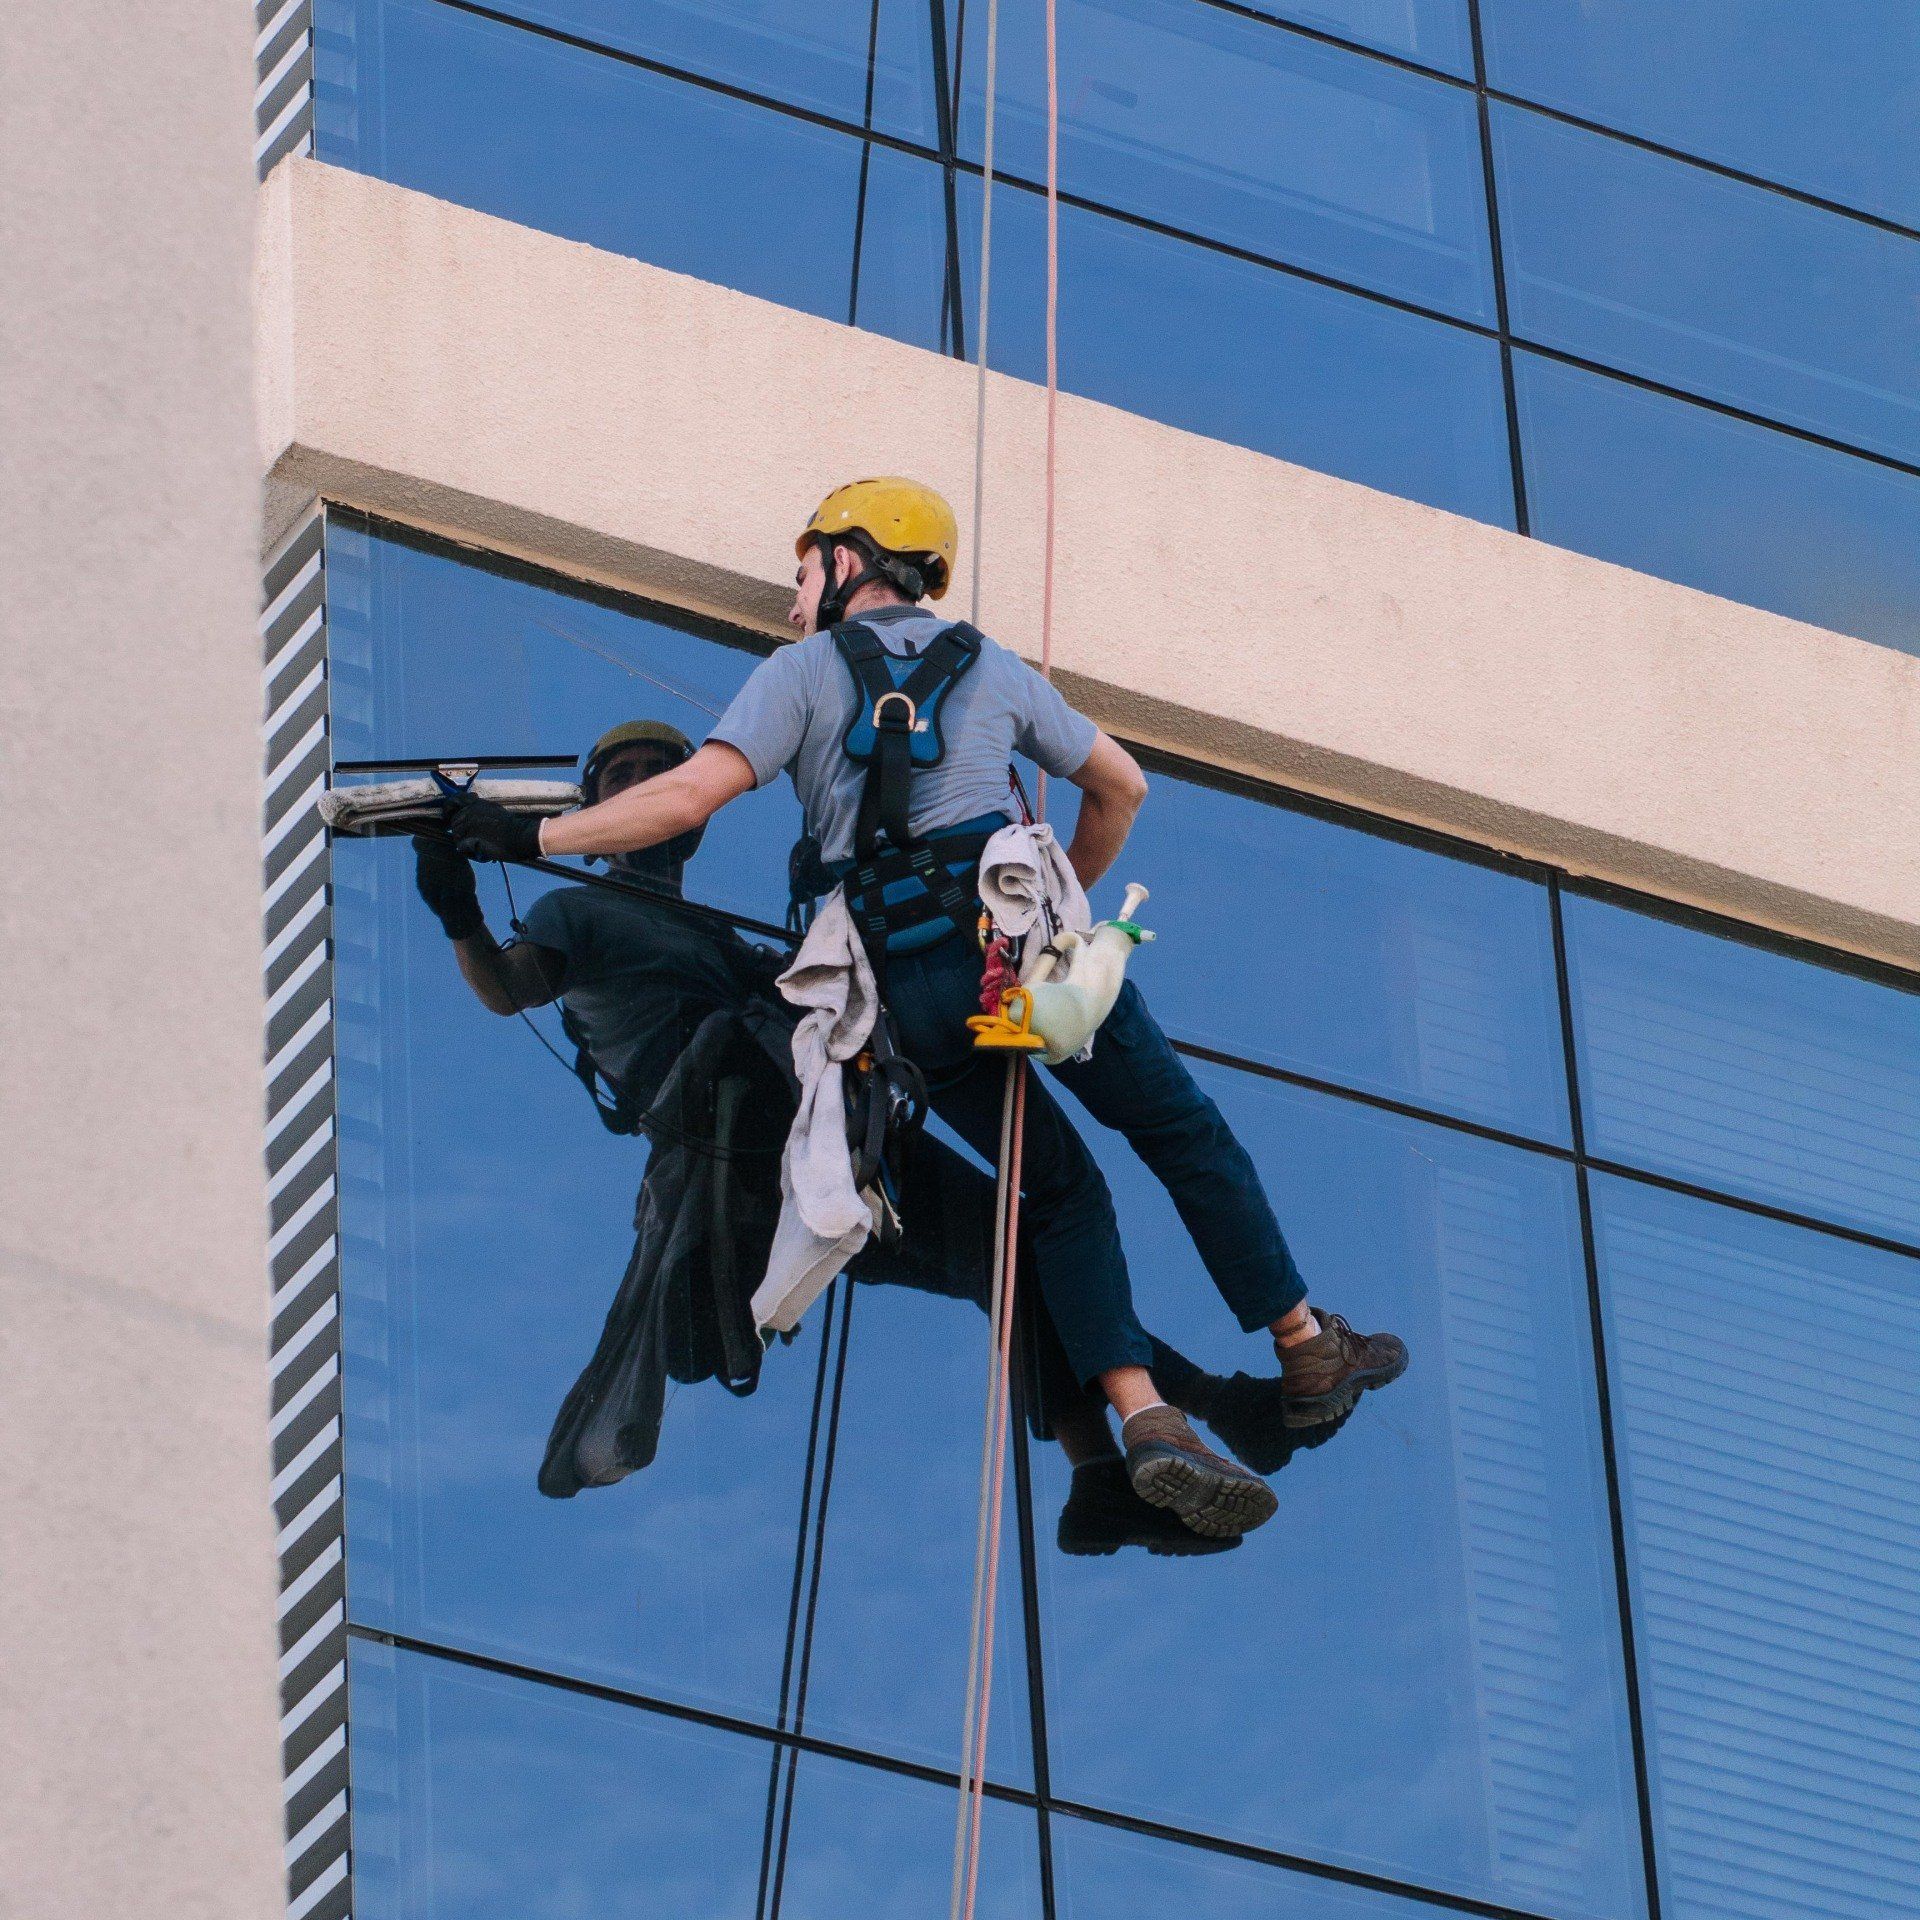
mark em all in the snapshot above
pixel 1635 276
pixel 1610 1600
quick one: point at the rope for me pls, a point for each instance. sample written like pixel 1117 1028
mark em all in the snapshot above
pixel 1013 1115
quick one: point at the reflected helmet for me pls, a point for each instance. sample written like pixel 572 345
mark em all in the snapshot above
pixel 642 734
pixel 630 733
pixel 890 519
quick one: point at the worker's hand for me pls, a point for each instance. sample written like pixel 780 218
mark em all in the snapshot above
pixel 484 830
pixel 445 880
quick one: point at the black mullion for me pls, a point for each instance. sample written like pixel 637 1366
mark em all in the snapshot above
pixel 1522 519
pixel 1380 1102
pixel 1291 1862
pixel 946 107
pixel 705 82
pixel 1603 1390
pixel 866 167
pixel 1745 933
pixel 1546 1149
pixel 1030 1596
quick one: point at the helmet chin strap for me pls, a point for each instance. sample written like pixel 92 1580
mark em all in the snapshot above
pixel 834 596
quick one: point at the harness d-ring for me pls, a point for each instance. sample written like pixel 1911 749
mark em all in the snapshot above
pixel 906 700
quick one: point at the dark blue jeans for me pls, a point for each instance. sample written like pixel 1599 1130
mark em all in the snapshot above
pixel 1136 1084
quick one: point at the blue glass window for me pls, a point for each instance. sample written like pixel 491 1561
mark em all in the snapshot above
pixel 1192 337
pixel 814 56
pixel 1818 98
pixel 1768 1432
pixel 581 145
pixel 1746 1070
pixel 1730 291
pixel 1739 510
pixel 1350 956
pixel 477 1793
pixel 1226 127
pixel 877 1846
pixel 1435 32
pixel 889 1652
pixel 1098 1872
pixel 1414 1670
pixel 486 1217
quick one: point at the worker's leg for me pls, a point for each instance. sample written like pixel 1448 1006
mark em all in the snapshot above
pixel 1067 1210
pixel 1136 1084
pixel 1079 1263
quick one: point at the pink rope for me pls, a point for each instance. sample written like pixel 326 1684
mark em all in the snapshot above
pixel 974 1783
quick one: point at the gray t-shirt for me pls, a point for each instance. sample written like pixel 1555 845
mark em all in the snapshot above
pixel 795 709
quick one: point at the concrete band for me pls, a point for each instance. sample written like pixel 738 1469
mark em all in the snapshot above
pixel 654 432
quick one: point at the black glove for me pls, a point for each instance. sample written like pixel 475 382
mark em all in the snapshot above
pixel 484 830
pixel 445 880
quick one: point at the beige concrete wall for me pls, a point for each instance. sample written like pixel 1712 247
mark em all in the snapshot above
pixel 138 1730
pixel 633 426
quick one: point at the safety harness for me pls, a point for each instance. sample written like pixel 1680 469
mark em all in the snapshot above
pixel 903 892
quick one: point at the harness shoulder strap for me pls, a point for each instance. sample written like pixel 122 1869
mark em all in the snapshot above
pixel 896 723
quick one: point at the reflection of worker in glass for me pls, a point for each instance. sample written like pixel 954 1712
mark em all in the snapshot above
pixel 680 1018
pixel 636 976
pixel 870 553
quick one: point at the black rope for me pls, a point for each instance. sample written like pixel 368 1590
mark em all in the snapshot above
pixel 793 1600
pixel 813 1587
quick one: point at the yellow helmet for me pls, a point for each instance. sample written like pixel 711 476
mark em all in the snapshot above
pixel 899 517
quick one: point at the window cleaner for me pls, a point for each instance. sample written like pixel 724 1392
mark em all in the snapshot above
pixel 896 833
pixel 678 1021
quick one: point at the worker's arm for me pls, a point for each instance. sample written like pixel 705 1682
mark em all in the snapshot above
pixel 1111 790
pixel 506 979
pixel 670 804
pixel 509 979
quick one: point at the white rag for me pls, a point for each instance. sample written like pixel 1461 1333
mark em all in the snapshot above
pixel 1029 888
pixel 405 806
pixel 1022 869
pixel 824 1218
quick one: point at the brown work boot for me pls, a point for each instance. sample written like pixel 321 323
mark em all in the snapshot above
pixel 1321 1378
pixel 1170 1466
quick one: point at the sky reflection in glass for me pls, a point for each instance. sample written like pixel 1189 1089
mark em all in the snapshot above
pixel 1726 290
pixel 1772 1505
pixel 1821 98
pixel 493 117
pixel 1716 503
pixel 1749 1071
pixel 1414 1669
pixel 1217 124
pixel 476 1795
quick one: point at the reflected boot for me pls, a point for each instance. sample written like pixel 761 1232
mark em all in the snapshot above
pixel 1321 1378
pixel 1171 1467
pixel 1104 1514
pixel 1248 1415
